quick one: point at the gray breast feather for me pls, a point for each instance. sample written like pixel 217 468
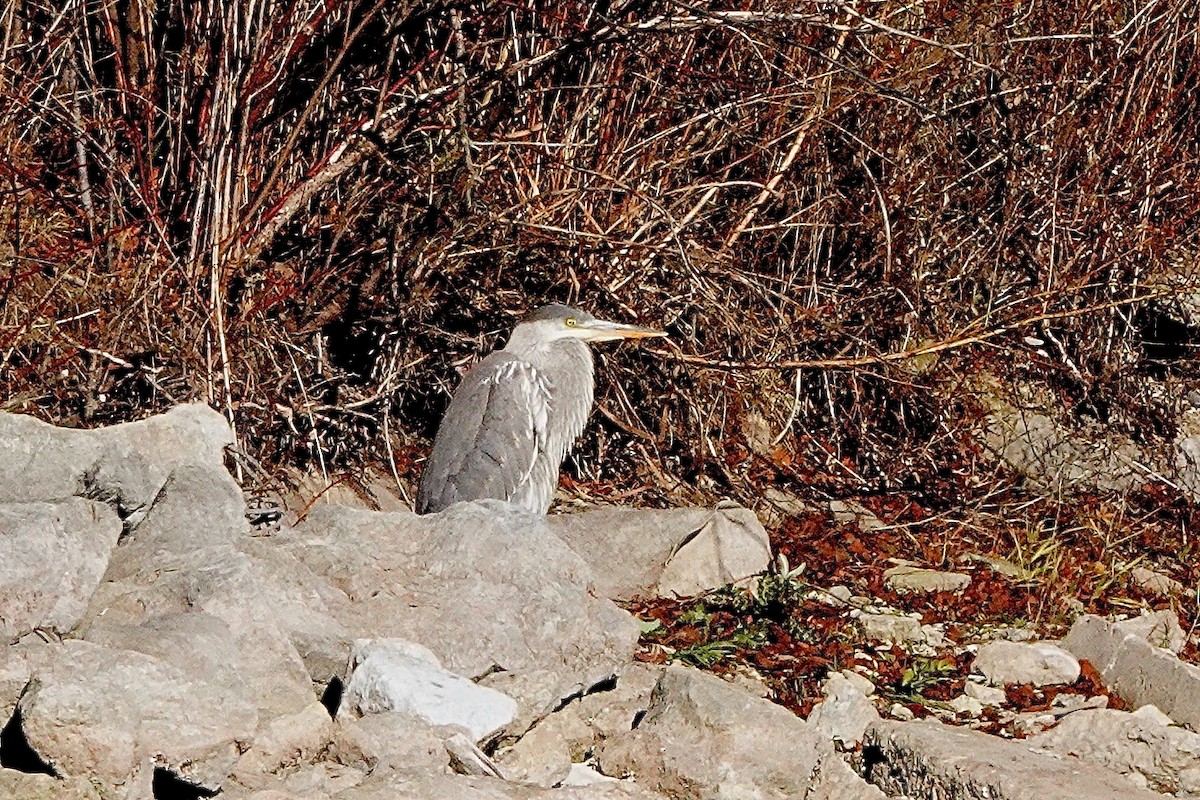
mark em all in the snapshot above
pixel 492 438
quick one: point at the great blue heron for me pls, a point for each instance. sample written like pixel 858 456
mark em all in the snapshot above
pixel 517 412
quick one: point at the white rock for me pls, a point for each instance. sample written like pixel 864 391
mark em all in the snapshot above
pixel 987 695
pixel 1156 583
pixel 844 713
pixel 673 552
pixel 481 585
pixel 901 712
pixel 1151 715
pixel 396 675
pixel 860 681
pixel 1036 663
pixel 894 628
pixel 965 704
pixel 926 759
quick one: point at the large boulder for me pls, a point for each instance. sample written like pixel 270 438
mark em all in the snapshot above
pixel 489 589
pixel 705 738
pixel 52 556
pixel 666 553
pixel 124 464
pixel 182 559
pixel 112 715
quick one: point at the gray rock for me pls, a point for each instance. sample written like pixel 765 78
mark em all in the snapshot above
pixel 987 695
pixel 34 786
pixel 704 738
pixel 929 759
pixel 188 555
pixel 1159 628
pixel 52 557
pixel 111 715
pixel 123 464
pixel 1165 757
pixel 894 628
pixel 1037 663
pixel 680 551
pixel 482 585
pixel 848 512
pixel 1032 438
pixel 389 742
pixel 396 675
pixel 1155 583
pixel 845 713
pixel 544 755
pixel 416 786
pixel 906 579
pixel 1136 670
pixel 730 546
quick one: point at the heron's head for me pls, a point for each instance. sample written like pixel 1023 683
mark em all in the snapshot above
pixel 556 321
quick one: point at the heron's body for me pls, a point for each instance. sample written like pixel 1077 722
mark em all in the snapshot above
pixel 517 413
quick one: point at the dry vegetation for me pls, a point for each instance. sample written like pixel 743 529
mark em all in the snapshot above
pixel 309 213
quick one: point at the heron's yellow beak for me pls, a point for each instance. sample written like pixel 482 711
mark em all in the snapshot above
pixel 603 331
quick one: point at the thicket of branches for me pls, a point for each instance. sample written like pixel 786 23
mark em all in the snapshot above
pixel 310 212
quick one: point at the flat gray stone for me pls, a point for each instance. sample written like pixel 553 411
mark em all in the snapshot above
pixel 929 759
pixel 1163 757
pixel 1037 663
pixel 52 557
pixel 673 552
pixel 905 579
pixel 705 738
pixel 1136 670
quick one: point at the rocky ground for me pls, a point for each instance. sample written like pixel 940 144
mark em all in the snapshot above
pixel 162 640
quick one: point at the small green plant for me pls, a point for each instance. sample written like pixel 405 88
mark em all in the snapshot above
pixel 923 674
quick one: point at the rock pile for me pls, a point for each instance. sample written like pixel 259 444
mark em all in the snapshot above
pixel 154 645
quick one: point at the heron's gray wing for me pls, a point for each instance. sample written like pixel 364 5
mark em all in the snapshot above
pixel 493 434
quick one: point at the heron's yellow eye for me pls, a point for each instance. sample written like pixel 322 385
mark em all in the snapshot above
pixel 571 322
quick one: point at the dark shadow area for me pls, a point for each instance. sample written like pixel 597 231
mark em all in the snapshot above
pixel 331 698
pixel 15 752
pixel 166 785
pixel 872 757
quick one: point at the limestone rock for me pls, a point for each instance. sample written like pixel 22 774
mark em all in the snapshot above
pixel 1159 628
pixel 124 464
pixel 845 713
pixel 34 786
pixel 1037 663
pixel 1155 583
pixel 905 579
pixel 730 546
pixel 544 755
pixel 929 759
pixel 396 675
pixel 987 695
pixel 704 738
pixel 482 585
pixel 110 714
pixel 52 557
pixel 391 741
pixel 1137 670
pixel 1167 758
pixel 894 628
pixel 680 551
